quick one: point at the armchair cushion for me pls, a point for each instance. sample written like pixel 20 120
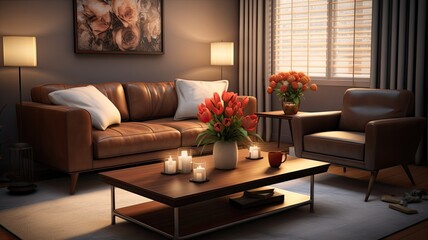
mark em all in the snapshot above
pixel 361 106
pixel 336 143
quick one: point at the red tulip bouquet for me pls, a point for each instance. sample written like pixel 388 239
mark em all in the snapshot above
pixel 289 86
pixel 226 120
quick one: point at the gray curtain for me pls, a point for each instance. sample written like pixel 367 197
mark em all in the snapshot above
pixel 254 56
pixel 399 53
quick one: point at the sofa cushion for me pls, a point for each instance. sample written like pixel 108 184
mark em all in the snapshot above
pixel 132 138
pixel 336 143
pixel 191 93
pixel 151 100
pixel 361 106
pixel 189 129
pixel 113 90
pixel 102 110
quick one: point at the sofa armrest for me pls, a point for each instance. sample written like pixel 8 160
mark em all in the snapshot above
pixel 60 136
pixel 311 123
pixel 251 107
pixel 392 141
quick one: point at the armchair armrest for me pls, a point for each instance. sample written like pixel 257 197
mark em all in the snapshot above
pixel 60 136
pixel 392 141
pixel 311 123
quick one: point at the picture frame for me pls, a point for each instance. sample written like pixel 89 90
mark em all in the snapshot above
pixel 118 26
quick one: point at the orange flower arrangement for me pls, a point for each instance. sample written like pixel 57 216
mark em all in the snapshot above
pixel 289 86
pixel 225 119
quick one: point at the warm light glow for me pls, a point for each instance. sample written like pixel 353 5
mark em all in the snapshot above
pixel 222 53
pixel 19 51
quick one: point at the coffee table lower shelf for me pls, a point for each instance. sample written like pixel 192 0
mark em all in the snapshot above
pixel 195 219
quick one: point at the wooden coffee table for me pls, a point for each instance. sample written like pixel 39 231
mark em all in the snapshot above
pixel 183 209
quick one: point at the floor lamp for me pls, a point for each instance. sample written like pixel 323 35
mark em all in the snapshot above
pixel 20 51
pixel 222 55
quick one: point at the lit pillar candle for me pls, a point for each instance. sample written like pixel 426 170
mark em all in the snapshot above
pixel 199 173
pixel 254 152
pixel 170 166
pixel 185 162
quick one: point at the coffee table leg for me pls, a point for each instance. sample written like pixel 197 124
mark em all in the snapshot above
pixel 176 219
pixel 113 206
pixel 312 193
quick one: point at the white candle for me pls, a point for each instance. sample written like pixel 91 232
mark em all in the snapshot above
pixel 185 162
pixel 170 166
pixel 198 177
pixel 254 152
pixel 180 159
pixel 199 174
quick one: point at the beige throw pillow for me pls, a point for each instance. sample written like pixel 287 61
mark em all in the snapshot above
pixel 191 93
pixel 103 112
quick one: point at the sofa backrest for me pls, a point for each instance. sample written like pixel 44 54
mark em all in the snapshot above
pixel 362 105
pixel 113 90
pixel 151 100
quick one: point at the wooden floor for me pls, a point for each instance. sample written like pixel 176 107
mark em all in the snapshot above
pixel 415 232
pixel 393 176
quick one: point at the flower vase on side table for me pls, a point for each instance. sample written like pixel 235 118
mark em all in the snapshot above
pixel 225 155
pixel 289 87
pixel 290 108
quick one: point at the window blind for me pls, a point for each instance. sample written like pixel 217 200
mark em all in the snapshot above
pixel 330 40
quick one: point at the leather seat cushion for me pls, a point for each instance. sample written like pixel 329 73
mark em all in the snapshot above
pixel 132 138
pixel 336 143
pixel 189 129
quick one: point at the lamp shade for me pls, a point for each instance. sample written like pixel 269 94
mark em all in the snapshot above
pixel 19 51
pixel 222 53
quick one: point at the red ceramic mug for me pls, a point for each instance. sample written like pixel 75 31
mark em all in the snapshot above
pixel 275 159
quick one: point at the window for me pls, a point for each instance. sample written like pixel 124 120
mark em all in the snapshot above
pixel 330 40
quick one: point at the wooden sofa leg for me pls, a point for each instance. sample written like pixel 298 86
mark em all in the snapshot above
pixel 73 183
pixel 371 183
pixel 409 174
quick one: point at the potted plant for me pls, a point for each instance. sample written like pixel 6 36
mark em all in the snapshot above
pixel 227 126
pixel 289 87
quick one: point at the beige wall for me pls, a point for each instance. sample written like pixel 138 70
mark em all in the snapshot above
pixel 189 27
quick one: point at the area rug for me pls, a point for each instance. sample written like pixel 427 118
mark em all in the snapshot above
pixel 340 213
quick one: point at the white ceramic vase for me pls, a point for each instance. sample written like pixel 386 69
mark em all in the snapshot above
pixel 225 155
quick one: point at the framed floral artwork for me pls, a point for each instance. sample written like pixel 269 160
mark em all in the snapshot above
pixel 118 26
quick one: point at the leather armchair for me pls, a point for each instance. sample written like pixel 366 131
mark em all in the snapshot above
pixel 375 129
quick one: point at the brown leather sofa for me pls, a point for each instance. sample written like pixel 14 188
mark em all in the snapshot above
pixel 376 129
pixel 64 139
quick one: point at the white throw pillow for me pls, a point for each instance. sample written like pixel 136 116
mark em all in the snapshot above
pixel 191 93
pixel 103 112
